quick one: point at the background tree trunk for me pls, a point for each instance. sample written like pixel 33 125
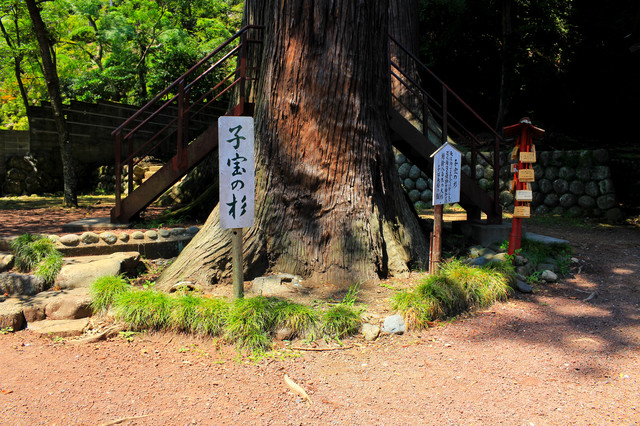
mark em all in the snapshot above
pixel 329 205
pixel 53 87
pixel 506 66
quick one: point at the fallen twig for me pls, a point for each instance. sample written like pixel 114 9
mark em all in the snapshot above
pixel 297 388
pixel 124 419
pixel 298 348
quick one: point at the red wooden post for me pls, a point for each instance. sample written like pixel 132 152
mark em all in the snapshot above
pixel 526 132
pixel 435 252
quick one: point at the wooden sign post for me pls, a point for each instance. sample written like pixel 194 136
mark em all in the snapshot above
pixel 447 161
pixel 237 186
pixel 523 175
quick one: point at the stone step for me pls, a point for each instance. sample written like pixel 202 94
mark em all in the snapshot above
pixel 59 328
pixel 20 311
pixel 82 271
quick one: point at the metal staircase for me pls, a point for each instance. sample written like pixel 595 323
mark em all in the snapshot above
pixel 188 110
pixel 420 123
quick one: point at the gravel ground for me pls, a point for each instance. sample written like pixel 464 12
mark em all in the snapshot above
pixel 550 358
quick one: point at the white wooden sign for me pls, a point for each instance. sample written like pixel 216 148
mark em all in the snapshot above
pixel 237 172
pixel 447 161
pixel 524 195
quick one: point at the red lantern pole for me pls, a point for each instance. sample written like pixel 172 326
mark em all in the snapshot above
pixel 526 133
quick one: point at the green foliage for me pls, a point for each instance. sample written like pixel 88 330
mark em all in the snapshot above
pixel 340 321
pixel 144 309
pixel 538 252
pixel 456 288
pixel 106 290
pixel 36 252
pixel 250 322
pixel 124 51
pixel 212 314
pixel 49 267
pixel 22 247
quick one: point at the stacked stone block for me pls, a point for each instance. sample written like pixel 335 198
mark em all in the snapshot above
pixel 572 183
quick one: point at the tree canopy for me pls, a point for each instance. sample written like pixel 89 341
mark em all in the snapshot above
pixel 117 50
pixel 572 66
pixel 568 63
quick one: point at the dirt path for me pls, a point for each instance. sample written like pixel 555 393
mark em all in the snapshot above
pixel 546 358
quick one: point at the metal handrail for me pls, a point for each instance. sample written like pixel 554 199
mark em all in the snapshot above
pixel 442 113
pixel 176 123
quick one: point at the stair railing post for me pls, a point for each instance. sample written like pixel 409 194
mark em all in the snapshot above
pixel 445 117
pixel 243 70
pixel 130 168
pixel 118 172
pixel 496 181
pixel 180 124
pixel 425 115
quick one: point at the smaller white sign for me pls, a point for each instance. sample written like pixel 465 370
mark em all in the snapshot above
pixel 447 161
pixel 237 171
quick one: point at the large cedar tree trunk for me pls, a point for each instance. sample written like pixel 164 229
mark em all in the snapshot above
pixel 329 205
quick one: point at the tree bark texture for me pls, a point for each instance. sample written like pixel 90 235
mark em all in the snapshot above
pixel 329 205
pixel 53 87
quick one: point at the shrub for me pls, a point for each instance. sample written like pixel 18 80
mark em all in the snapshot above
pixel 105 290
pixel 340 321
pixel 455 288
pixel 34 251
pixel 144 309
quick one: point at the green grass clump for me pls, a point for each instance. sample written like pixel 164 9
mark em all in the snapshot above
pixel 49 267
pixel 198 315
pixel 105 290
pixel 185 314
pixel 37 253
pixel 482 286
pixel 300 319
pixel 537 252
pixel 250 322
pixel 456 288
pixel 144 309
pixel 340 321
pixel 213 315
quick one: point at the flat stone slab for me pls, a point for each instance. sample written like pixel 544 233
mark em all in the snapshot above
pixel 83 271
pixel 59 328
pixel 544 239
pixel 93 224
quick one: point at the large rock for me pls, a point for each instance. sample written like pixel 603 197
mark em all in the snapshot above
pixel 11 315
pixel 606 202
pixel 83 271
pixel 277 285
pixel 394 324
pixel 68 304
pixel 20 284
pixel 6 262
pixel 545 185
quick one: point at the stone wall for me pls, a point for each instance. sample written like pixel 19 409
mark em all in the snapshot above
pixel 12 142
pixel 574 183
